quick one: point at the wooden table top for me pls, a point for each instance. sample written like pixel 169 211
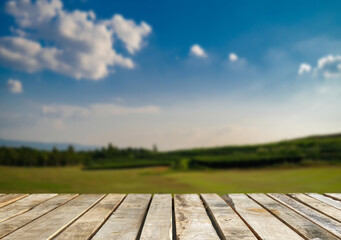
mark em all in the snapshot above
pixel 166 216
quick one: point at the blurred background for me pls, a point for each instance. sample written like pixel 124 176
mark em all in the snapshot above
pixel 172 96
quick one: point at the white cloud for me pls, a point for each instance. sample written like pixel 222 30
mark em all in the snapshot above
pixel 65 111
pixel 15 86
pixel 330 66
pixel 233 57
pixel 198 51
pixel 76 44
pixel 130 33
pixel 95 110
pixel 304 68
pixel 28 14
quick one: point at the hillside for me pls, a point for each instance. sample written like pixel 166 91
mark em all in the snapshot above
pixel 312 150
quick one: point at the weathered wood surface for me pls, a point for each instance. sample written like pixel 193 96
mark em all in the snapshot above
pixel 327 223
pixel 229 224
pixel 126 221
pixel 318 205
pixel 90 222
pixel 328 200
pixel 23 205
pixel 19 221
pixel 158 224
pixel 192 221
pixel 49 225
pixel 167 217
pixel 336 196
pixel 301 225
pixel 10 198
pixel 260 220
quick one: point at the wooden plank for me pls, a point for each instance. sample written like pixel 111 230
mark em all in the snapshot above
pixel 327 223
pixel 228 223
pixel 85 226
pixel 327 200
pixel 336 196
pixel 303 226
pixel 52 223
pixel 192 221
pixel 260 220
pixel 318 205
pixel 158 224
pixel 126 221
pixel 23 205
pixel 10 198
pixel 19 221
pixel 2 194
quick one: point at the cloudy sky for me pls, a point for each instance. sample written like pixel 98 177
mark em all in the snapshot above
pixel 175 73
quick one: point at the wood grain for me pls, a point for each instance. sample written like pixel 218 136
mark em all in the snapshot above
pixel 85 226
pixel 52 223
pixel 297 222
pixel 19 221
pixel 318 205
pixel 192 221
pixel 127 220
pixel 327 223
pixel 262 222
pixel 327 200
pixel 10 198
pixel 23 205
pixel 158 224
pixel 228 223
pixel 336 196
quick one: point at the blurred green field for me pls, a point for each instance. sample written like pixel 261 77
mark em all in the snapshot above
pixel 162 179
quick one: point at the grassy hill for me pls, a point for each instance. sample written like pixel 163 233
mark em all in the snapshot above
pixel 308 150
pixel 326 148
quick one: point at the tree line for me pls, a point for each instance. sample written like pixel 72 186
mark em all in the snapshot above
pixel 312 149
pixel 25 156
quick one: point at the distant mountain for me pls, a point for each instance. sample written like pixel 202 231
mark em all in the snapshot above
pixel 44 145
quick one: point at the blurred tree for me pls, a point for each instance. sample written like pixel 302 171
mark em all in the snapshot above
pixel 71 149
pixel 155 148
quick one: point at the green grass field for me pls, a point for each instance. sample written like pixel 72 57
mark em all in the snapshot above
pixel 161 180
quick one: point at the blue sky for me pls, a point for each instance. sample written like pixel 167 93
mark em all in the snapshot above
pixel 174 73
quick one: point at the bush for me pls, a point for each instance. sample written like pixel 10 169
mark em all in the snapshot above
pixel 183 164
